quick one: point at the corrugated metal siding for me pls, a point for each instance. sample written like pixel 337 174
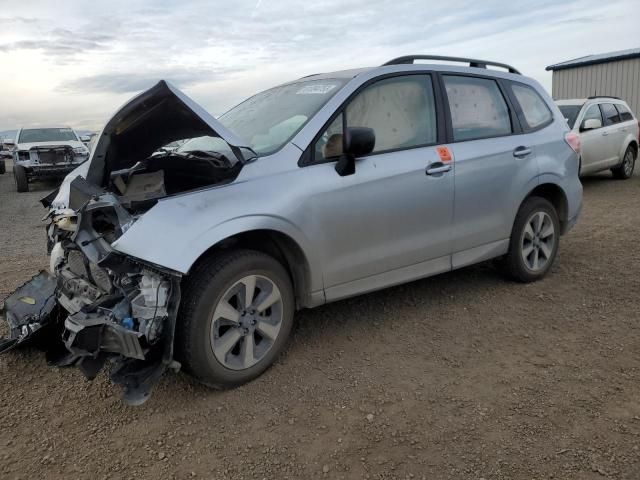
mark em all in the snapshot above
pixel 620 79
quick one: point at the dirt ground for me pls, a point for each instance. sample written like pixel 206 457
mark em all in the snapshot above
pixel 461 376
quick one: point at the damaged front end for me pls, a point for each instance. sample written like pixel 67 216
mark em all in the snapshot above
pixel 50 161
pixel 98 304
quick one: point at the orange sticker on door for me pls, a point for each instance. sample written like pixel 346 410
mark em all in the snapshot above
pixel 445 154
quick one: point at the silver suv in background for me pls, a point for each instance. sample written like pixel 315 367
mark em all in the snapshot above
pixel 608 133
pixel 46 153
pixel 323 188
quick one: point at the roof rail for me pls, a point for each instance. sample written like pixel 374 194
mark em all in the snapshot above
pixel 471 61
pixel 603 96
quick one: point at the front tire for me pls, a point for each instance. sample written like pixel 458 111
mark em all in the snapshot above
pixel 534 241
pixel 20 176
pixel 235 319
pixel 625 169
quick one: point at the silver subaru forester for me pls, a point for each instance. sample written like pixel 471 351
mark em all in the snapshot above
pixel 320 189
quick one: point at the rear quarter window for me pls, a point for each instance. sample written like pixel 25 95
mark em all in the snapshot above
pixel 610 114
pixel 534 112
pixel 478 109
pixel 625 113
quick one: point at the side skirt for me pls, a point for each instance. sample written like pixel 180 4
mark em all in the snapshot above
pixel 389 279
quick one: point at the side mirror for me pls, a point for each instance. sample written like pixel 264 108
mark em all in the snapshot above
pixel 590 124
pixel 358 141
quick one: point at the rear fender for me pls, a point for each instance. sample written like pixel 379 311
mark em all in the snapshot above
pixel 629 140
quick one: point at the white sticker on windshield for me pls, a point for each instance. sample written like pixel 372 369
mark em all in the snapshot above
pixel 316 89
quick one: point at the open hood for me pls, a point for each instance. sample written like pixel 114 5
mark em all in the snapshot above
pixel 149 121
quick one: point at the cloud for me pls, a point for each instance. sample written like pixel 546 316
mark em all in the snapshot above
pixel 136 81
pixel 7 21
pixel 58 43
pixel 85 61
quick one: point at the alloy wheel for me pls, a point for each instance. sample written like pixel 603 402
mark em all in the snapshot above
pixel 628 163
pixel 538 241
pixel 246 322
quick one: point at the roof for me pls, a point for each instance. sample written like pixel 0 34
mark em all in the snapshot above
pixel 46 127
pixel 350 73
pixel 595 59
pixel 571 101
pixel 582 101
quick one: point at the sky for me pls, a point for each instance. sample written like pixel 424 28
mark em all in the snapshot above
pixel 72 62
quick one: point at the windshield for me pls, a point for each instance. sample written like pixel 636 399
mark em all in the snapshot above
pixel 570 113
pixel 47 135
pixel 270 119
pixel 207 144
pixel 204 144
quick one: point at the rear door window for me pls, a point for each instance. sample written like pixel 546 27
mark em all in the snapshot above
pixel 625 113
pixel 610 114
pixel 534 110
pixel 478 109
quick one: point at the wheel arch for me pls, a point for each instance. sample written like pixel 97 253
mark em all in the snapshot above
pixel 555 194
pixel 278 245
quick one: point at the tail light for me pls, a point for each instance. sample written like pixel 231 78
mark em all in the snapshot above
pixel 573 139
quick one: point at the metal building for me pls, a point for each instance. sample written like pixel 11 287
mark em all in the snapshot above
pixel 615 73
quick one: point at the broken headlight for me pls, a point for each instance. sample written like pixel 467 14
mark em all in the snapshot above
pixel 81 151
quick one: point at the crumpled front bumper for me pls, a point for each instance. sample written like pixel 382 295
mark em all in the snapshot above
pixel 88 339
pixel 40 170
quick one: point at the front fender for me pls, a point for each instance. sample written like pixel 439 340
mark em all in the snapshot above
pixel 178 244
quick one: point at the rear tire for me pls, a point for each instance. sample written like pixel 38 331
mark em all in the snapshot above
pixel 625 169
pixel 223 352
pixel 3 167
pixel 20 176
pixel 534 241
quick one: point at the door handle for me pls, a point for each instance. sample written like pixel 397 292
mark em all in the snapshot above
pixel 604 134
pixel 521 152
pixel 438 167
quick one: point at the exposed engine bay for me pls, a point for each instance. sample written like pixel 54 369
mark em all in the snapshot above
pixel 170 173
pixel 97 304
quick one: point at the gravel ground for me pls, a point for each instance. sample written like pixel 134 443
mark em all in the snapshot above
pixel 461 376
